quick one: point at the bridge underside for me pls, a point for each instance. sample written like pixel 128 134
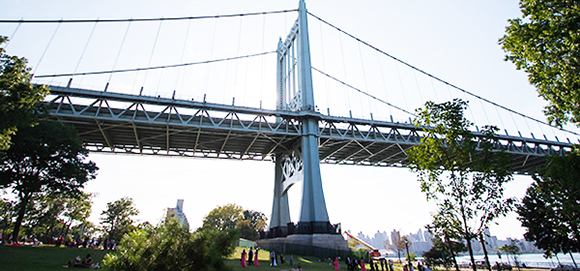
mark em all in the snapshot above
pixel 131 124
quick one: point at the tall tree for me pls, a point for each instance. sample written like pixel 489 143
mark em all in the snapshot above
pixel 45 159
pixel 549 210
pixel 460 170
pixel 17 95
pixel 545 44
pixel 117 218
pixel 223 217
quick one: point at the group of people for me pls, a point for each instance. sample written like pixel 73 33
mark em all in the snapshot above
pixel 87 262
pixel 105 244
pixel 356 264
pixel 420 267
pixel 250 257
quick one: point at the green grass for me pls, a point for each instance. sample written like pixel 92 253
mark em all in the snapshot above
pixel 50 258
pixel 43 257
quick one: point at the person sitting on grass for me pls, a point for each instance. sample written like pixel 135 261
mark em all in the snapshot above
pixel 87 262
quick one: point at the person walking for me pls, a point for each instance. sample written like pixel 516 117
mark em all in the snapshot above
pixel 251 257
pixel 243 260
pixel 336 265
pixel 256 263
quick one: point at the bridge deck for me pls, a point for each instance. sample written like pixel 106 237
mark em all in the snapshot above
pixel 132 124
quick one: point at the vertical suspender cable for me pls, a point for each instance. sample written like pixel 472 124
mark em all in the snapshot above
pixel 418 87
pixel 501 120
pixel 365 80
pixel 263 58
pixel 85 49
pixel 183 69
pixel 152 53
pixel 402 88
pixel 469 107
pixel 46 48
pixel 12 36
pixel 237 54
pixel 118 54
pixel 344 71
pixel 210 56
pixel 327 90
pixel 384 83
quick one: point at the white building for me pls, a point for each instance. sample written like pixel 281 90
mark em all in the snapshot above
pixel 177 212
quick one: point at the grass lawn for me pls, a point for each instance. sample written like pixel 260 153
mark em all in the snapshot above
pixel 43 258
pixel 50 258
pixel 308 263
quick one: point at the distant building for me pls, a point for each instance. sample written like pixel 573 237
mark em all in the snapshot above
pixel 177 212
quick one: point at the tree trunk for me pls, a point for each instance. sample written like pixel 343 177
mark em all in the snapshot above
pixel 471 253
pixel 572 257
pixel 21 212
pixel 482 240
pixel 450 246
pixel 468 236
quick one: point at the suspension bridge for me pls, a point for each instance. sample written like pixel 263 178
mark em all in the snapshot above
pixel 142 104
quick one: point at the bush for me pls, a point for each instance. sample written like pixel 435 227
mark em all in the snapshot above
pixel 170 246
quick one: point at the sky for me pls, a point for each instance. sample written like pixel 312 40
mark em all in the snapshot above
pixel 456 41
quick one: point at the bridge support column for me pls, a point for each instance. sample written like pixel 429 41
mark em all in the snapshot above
pixel 280 209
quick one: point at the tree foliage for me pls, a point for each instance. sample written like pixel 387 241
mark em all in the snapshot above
pixel 549 211
pixel 223 217
pixel 232 216
pixel 463 172
pixel 442 252
pixel 45 159
pixel 117 219
pixel 251 224
pixel 17 96
pixel 53 215
pixel 545 43
pixel 397 244
pixel 170 246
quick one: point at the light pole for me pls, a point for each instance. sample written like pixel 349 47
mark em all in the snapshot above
pixel 408 257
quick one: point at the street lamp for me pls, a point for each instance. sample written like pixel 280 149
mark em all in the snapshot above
pixel 408 257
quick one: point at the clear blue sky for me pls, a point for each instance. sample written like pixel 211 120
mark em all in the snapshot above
pixel 454 40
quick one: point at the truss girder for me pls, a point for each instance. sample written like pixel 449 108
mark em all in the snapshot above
pixel 134 124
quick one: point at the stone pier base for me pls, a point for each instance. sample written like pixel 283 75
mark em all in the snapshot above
pixel 319 245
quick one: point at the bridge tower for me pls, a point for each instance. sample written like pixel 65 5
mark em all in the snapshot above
pixel 295 93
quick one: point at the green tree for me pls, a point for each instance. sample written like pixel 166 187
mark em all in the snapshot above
pixel 462 171
pixel 397 244
pixel 17 96
pixel 223 217
pixel 7 214
pixel 45 159
pixel 251 224
pixel 549 210
pixel 170 246
pixel 446 234
pixel 117 218
pixel 77 210
pixel 511 249
pixel 442 252
pixel 545 43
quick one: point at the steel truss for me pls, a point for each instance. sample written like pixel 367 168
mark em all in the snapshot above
pixel 134 124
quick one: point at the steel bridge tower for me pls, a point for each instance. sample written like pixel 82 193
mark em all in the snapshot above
pixel 295 93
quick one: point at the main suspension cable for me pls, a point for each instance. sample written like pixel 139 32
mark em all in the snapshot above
pixel 146 19
pixel 150 68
